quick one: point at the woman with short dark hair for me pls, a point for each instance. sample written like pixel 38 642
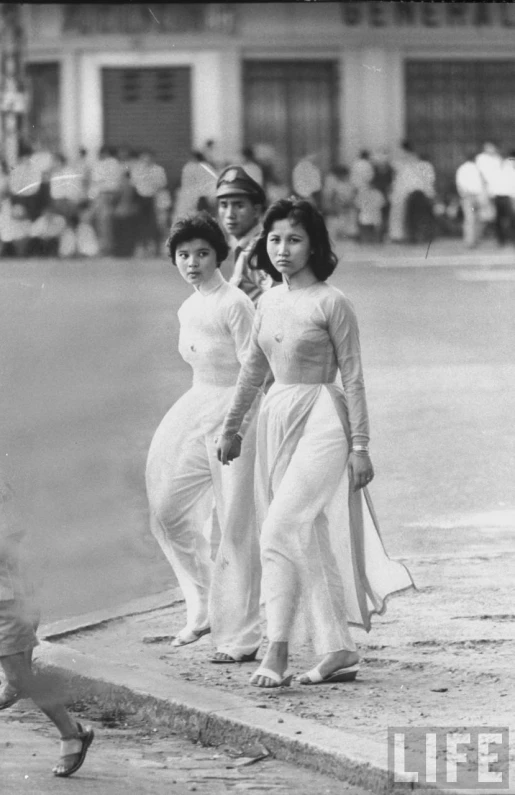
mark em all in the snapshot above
pixel 314 551
pixel 215 325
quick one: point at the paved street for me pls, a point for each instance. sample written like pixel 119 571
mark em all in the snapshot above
pixel 142 761
pixel 89 359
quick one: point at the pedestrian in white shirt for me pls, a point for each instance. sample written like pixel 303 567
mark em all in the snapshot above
pixel 105 186
pixel 489 162
pixel 405 168
pixel 149 178
pixel 66 189
pixel 362 170
pixel 471 189
pixel 222 597
pixel 498 184
pixel 420 179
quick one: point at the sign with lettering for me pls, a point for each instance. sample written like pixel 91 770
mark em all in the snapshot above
pixel 406 13
pixel 85 19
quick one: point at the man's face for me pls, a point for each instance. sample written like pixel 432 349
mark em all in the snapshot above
pixel 237 215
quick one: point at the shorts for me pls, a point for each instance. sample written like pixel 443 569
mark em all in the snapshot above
pixel 18 618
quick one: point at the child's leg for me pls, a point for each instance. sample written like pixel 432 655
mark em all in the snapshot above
pixel 38 687
pixel 42 689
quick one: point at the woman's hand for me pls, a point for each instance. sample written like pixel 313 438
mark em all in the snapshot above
pixel 361 470
pixel 228 449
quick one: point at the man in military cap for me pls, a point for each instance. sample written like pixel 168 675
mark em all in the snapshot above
pixel 241 201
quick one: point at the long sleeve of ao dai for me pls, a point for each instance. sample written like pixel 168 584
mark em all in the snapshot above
pixel 305 336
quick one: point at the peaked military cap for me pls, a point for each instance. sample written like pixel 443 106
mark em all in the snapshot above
pixel 234 181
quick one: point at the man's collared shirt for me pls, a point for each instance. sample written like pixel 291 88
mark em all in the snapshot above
pixel 252 282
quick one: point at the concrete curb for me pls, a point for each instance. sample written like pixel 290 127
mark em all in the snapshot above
pixel 213 718
pixel 90 621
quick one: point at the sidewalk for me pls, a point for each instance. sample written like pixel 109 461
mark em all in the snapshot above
pixel 441 656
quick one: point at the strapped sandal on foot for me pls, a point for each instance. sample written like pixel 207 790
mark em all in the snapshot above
pixel 314 677
pixel 221 658
pixel 187 636
pixel 70 762
pixel 8 696
pixel 284 681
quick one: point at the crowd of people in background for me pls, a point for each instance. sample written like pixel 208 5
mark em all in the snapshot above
pixel 379 197
pixel 117 204
pixel 120 203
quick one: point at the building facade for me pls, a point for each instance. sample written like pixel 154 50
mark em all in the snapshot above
pixel 321 79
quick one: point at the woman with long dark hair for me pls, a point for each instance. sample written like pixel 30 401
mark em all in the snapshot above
pixel 318 550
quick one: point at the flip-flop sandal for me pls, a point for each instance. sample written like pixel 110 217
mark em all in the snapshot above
pixel 285 681
pixel 86 738
pixel 221 658
pixel 8 697
pixel 314 677
pixel 185 638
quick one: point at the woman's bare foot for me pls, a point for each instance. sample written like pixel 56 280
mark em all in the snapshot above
pixel 332 662
pixel 276 661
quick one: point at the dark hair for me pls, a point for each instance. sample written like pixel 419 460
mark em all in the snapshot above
pixel 25 149
pixel 322 261
pixel 341 170
pixel 202 226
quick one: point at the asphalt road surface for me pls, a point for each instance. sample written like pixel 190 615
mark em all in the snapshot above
pixel 89 365
pixel 138 761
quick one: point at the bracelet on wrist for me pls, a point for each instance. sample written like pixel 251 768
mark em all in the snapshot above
pixel 359 449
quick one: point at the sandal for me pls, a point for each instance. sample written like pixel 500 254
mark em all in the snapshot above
pixel 284 681
pixel 187 636
pixel 70 762
pixel 8 696
pixel 221 657
pixel 314 677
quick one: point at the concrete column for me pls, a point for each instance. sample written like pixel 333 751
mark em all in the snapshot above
pixel 231 80
pixel 90 104
pixel 207 98
pixel 350 105
pixel 70 101
pixel 396 117
pixel 372 100
pixel 375 107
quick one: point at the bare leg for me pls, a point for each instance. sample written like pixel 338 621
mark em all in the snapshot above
pixel 42 690
pixel 18 671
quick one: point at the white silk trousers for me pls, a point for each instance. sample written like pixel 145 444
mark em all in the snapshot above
pixel 299 567
pixel 182 468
